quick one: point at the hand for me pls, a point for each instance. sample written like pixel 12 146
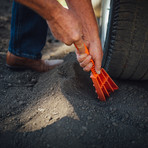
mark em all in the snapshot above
pixel 96 54
pixel 66 27
pixel 95 50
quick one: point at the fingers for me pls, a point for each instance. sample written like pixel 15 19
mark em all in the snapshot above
pixel 80 46
pixel 98 62
pixel 88 67
pixel 81 57
pixel 84 61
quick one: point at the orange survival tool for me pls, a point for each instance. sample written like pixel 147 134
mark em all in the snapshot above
pixel 102 82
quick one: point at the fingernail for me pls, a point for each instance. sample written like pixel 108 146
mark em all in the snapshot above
pixel 98 72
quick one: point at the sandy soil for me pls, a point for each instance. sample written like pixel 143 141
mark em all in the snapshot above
pixel 59 109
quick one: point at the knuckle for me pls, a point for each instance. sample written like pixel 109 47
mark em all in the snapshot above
pixel 88 67
pixel 82 64
pixel 82 57
pixel 76 37
pixel 68 43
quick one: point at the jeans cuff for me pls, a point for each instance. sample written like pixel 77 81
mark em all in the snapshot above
pixel 25 55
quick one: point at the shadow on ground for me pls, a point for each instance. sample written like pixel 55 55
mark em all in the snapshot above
pixel 60 109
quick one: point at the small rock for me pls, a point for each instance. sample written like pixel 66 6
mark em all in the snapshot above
pixel 55 113
pixel 51 88
pixel 41 109
pixel 24 134
pixel 133 142
pixel 83 108
pixel 122 120
pixel 21 102
pixel 145 104
pixel 126 116
pixel 99 137
pixel 130 88
pixel 84 128
pixel 19 81
pixel 8 106
pixel 107 117
pixel 111 109
pixel 48 145
pixel 114 124
pixel 9 84
pixel 33 80
pixel 107 131
pixel 52 93
pixel 89 117
pixel 108 125
pixel 114 109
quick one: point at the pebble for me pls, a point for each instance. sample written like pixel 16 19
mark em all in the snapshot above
pixel 145 104
pixel 126 116
pixel 9 84
pixel 33 80
pixel 108 125
pixel 84 128
pixel 107 131
pixel 21 102
pixel 52 93
pixel 41 109
pixel 89 117
pixel 110 108
pixel 130 88
pixel 55 113
pixel 24 134
pixel 51 88
pixel 8 106
pixel 133 142
pixel 99 137
pixel 107 117
pixel 114 124
pixel 122 120
pixel 48 145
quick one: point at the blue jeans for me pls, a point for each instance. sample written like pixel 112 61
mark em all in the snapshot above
pixel 28 32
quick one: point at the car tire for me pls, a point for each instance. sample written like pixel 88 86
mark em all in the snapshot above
pixel 125 45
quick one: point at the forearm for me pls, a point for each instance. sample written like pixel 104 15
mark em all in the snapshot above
pixel 83 9
pixel 48 9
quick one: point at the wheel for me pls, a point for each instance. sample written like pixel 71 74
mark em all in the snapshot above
pixel 124 38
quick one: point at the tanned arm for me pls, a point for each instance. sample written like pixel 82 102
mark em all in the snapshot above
pixel 84 10
pixel 74 25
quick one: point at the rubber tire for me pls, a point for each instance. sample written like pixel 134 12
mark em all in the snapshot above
pixel 126 44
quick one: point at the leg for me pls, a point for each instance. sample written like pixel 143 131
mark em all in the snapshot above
pixel 28 37
pixel 28 32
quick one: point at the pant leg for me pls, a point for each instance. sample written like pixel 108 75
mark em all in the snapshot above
pixel 28 32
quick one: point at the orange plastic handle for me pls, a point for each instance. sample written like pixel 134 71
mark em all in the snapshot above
pixel 87 52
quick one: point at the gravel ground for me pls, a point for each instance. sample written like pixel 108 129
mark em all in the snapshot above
pixel 59 109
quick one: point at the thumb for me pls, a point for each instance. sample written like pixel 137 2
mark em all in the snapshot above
pixel 98 62
pixel 80 46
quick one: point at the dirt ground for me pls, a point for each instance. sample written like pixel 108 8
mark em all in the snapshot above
pixel 59 109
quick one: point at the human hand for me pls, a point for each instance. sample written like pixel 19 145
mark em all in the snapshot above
pixel 66 27
pixel 96 54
